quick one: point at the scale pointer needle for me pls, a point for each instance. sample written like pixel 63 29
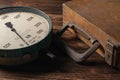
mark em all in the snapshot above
pixel 10 25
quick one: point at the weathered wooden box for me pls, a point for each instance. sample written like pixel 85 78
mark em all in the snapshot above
pixel 100 19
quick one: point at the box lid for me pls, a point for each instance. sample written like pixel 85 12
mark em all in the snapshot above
pixel 105 14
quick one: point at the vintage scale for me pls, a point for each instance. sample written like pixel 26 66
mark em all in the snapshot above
pixel 25 32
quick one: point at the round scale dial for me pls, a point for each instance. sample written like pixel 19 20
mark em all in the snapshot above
pixel 24 33
pixel 21 29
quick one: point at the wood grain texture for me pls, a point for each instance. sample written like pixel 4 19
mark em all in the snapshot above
pixel 61 68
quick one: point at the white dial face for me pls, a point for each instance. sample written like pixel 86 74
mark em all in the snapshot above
pixel 22 29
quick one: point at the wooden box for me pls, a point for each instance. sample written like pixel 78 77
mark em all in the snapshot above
pixel 100 19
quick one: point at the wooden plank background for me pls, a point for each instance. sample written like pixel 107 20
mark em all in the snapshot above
pixel 61 68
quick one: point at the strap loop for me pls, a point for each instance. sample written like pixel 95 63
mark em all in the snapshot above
pixel 79 57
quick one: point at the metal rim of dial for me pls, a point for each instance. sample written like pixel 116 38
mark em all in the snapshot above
pixel 29 53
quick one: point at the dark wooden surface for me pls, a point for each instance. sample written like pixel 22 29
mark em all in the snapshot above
pixel 61 68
